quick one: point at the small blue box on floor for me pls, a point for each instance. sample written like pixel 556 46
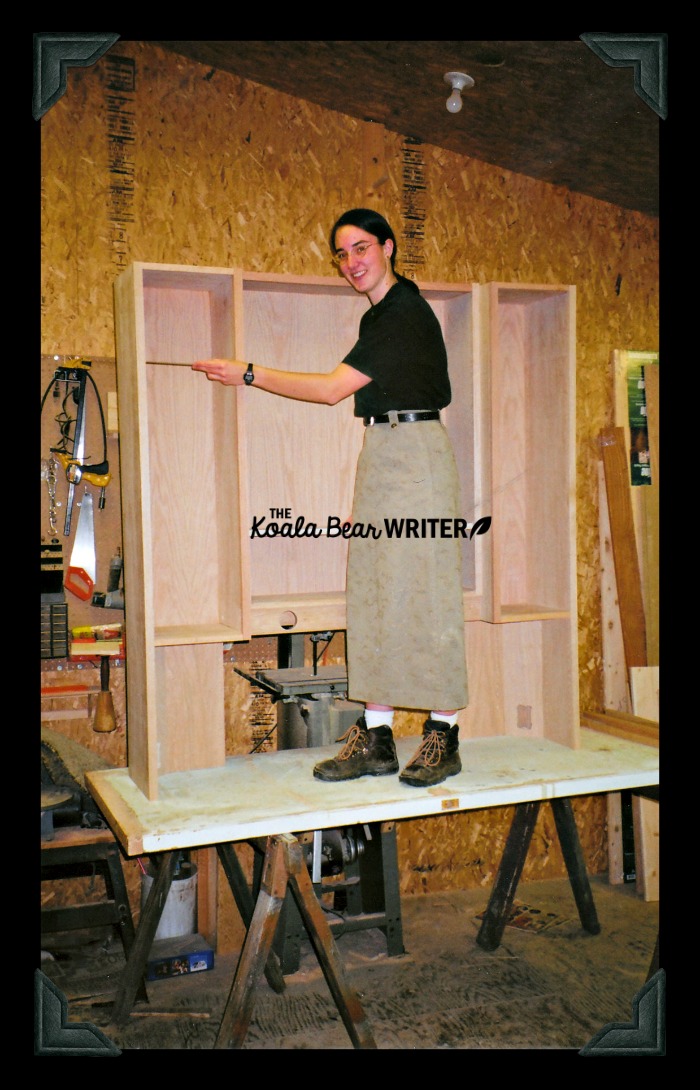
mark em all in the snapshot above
pixel 177 956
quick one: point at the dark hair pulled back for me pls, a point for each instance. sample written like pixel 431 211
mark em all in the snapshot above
pixel 375 224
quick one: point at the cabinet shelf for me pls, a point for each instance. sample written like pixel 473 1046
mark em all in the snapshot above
pixel 177 635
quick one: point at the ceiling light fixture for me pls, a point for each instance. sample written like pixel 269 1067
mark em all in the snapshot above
pixel 459 81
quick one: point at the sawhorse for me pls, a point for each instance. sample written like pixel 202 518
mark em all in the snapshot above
pixel 516 849
pixel 284 868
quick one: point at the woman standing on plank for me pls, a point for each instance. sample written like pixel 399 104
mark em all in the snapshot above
pixel 405 624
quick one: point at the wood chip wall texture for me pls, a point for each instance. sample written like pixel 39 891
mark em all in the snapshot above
pixel 150 157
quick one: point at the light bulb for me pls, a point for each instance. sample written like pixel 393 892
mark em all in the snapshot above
pixel 458 82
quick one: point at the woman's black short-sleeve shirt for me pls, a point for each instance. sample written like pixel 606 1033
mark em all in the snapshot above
pixel 401 348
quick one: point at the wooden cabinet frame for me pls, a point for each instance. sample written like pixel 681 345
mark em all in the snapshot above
pixel 206 469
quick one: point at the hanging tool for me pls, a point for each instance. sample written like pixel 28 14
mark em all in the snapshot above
pixel 105 720
pixel 49 467
pixel 113 598
pixel 71 450
pixel 80 578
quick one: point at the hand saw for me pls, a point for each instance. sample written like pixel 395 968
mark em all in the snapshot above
pixel 80 577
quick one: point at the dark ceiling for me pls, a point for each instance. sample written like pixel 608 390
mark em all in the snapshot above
pixel 551 110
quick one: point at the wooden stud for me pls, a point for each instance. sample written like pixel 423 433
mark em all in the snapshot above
pixel 616 692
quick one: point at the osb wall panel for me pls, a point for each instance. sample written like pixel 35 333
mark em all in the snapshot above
pixel 448 852
pixel 216 170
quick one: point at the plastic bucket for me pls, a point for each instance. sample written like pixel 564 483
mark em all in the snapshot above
pixel 179 915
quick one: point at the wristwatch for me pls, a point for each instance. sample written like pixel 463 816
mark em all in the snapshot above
pixel 249 377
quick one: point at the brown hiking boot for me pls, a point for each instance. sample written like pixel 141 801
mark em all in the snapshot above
pixel 436 758
pixel 367 752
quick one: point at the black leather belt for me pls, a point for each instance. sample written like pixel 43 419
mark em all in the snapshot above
pixel 400 418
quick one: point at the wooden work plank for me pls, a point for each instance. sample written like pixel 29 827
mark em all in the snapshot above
pixel 264 794
pixel 633 728
pixel 612 445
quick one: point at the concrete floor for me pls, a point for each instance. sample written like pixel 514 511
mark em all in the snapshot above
pixel 551 987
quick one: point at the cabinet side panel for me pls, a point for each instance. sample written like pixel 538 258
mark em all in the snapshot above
pixel 550 487
pixel 561 684
pixel 136 533
pixel 191 707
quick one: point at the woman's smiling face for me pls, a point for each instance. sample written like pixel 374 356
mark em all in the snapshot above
pixel 368 272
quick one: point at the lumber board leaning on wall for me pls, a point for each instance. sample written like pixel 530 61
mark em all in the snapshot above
pixel 613 451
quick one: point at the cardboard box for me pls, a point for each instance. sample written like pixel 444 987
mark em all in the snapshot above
pixel 177 956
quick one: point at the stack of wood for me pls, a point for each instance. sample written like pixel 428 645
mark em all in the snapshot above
pixel 629 532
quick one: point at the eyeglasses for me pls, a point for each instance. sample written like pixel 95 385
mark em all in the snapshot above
pixel 358 250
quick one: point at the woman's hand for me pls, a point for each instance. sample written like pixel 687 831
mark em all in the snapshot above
pixel 325 388
pixel 228 372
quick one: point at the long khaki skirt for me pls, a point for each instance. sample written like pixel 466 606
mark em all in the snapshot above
pixel 405 623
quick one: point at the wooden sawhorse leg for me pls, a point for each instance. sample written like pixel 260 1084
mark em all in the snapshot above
pixel 150 918
pixel 244 900
pixel 511 868
pixel 285 867
pixel 145 933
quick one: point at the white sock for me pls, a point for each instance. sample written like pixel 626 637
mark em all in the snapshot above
pixel 440 718
pixel 378 719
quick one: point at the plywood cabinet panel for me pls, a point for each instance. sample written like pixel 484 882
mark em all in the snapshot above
pixel 301 456
pixel 190 727
pixel 531 355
